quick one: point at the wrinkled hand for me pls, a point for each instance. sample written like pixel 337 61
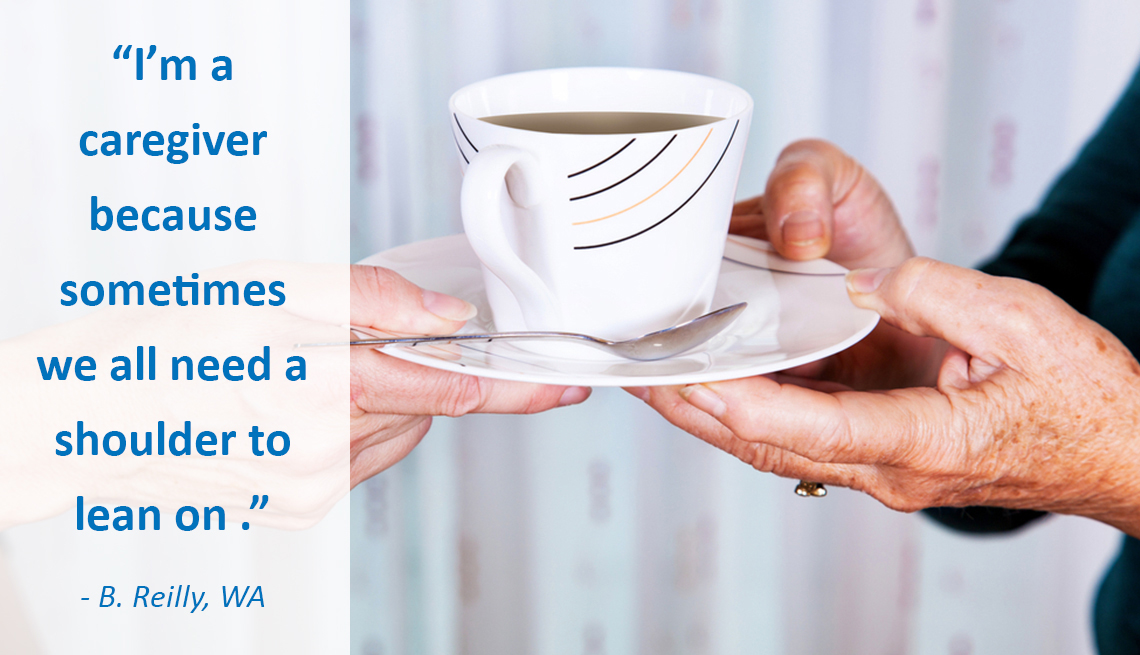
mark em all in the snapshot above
pixel 1035 406
pixel 393 400
pixel 819 202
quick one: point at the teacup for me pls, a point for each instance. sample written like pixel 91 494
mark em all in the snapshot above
pixel 598 199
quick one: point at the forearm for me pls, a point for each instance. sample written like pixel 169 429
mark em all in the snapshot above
pixel 1064 243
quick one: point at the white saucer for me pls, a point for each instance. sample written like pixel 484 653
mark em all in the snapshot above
pixel 798 312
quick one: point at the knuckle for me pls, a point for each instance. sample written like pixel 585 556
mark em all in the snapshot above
pixel 833 443
pixel 907 289
pixel 913 273
pixel 798 178
pixel 368 374
pixel 540 399
pixel 901 503
pixel 355 391
pixel 1023 303
pixel 376 281
pixel 910 490
pixel 763 459
pixel 898 499
pixel 421 429
pixel 1016 309
pixel 358 386
pixel 463 394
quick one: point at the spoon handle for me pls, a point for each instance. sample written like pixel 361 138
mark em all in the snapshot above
pixel 453 338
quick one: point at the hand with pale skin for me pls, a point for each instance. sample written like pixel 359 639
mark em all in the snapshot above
pixel 357 411
pixel 979 390
pixel 393 401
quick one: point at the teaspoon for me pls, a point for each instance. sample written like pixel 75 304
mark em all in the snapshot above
pixel 648 347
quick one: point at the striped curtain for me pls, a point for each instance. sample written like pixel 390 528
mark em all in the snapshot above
pixel 600 528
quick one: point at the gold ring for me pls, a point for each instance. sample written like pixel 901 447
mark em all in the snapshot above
pixel 805 488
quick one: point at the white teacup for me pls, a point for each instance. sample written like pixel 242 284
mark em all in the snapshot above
pixel 615 232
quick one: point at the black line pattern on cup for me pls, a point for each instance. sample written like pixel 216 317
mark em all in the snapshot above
pixel 461 131
pixel 461 153
pixel 587 170
pixel 630 175
pixel 672 213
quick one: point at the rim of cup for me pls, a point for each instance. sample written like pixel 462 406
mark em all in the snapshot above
pixel 475 100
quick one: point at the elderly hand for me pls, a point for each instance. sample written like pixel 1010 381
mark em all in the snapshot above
pixel 1035 406
pixel 819 202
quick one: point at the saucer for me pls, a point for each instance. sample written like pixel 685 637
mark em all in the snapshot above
pixel 797 312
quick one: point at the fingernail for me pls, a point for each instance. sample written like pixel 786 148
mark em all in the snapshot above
pixel 573 396
pixel 802 228
pixel 447 307
pixel 641 393
pixel 704 399
pixel 866 280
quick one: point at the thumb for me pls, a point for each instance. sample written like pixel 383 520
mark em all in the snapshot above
pixel 384 300
pixel 819 202
pixel 798 202
pixel 988 317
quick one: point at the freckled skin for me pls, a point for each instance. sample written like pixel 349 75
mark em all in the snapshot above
pixel 1012 433
pixel 973 390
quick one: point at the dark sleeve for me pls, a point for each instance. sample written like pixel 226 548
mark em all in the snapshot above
pixel 1063 245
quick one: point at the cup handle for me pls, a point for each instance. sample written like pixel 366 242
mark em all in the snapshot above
pixel 480 200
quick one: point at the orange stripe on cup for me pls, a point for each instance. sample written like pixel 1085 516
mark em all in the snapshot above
pixel 595 220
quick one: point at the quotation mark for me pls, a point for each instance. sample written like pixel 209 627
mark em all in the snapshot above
pixel 253 505
pixel 126 54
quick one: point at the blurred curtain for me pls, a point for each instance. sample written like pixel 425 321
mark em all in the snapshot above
pixel 602 529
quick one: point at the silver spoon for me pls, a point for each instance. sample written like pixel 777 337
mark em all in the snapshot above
pixel 648 347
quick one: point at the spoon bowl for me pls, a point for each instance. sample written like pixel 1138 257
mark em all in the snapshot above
pixel 646 348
